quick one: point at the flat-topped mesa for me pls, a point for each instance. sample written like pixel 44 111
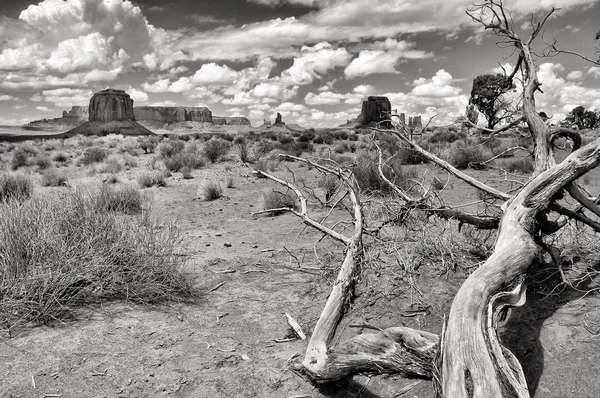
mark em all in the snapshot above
pixel 172 114
pixel 111 112
pixel 111 105
pixel 231 121
pixel 375 109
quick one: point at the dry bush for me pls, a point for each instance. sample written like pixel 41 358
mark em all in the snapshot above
pixel 170 147
pixel 43 161
pixel 215 148
pixel 125 199
pixel 468 157
pixel 20 159
pixel 93 155
pixel 180 160
pixel 211 190
pixel 329 184
pixel 58 252
pixel 148 144
pixel 129 161
pixel 53 177
pixel 61 157
pixel 111 166
pixel 148 179
pixel 368 178
pixel 186 173
pixel 278 200
pixel 15 186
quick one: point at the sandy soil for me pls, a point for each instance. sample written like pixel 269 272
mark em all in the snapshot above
pixel 223 345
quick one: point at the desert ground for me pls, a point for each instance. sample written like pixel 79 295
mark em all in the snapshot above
pixel 245 269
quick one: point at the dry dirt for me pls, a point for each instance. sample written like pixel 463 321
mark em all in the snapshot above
pixel 223 345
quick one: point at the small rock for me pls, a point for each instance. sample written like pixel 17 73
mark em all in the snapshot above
pixel 208 244
pixel 217 234
pixel 227 244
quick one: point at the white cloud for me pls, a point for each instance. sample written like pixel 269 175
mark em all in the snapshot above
pixel 43 109
pixel 291 107
pixel 575 75
pixel 5 97
pixel 214 74
pixel 66 97
pixel 594 71
pixel 365 89
pixel 313 62
pixel 438 86
pixel 370 62
pixel 138 96
pixel 561 96
pixel 323 98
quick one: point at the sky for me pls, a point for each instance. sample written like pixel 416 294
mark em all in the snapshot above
pixel 313 61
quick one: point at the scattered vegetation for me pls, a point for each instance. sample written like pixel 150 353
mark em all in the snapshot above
pixel 277 200
pixel 59 252
pixel 215 148
pixel 125 199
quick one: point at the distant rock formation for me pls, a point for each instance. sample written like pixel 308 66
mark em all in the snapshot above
pixel 374 110
pixel 77 112
pixel 414 122
pixel 171 114
pixel 111 105
pixel 231 121
pixel 110 112
pixel 266 122
pixel 279 120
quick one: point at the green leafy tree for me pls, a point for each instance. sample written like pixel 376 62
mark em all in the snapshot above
pixel 486 95
pixel 472 114
pixel 582 118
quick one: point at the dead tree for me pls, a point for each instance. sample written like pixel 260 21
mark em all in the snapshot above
pixel 467 359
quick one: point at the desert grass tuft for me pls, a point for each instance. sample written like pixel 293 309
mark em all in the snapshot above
pixel 215 148
pixel 93 155
pixel 524 166
pixel 277 200
pixel 125 199
pixel 211 190
pixel 59 253
pixel 148 179
pixel 15 186
pixel 53 177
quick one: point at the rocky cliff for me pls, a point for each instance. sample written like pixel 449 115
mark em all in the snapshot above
pixel 231 121
pixel 110 112
pixel 374 110
pixel 77 112
pixel 171 114
pixel 111 105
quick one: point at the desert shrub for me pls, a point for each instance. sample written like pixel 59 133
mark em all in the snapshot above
pixel 186 172
pixel 437 184
pixel 125 199
pixel 215 148
pixel 183 159
pixel 111 166
pixel 58 252
pixel 211 190
pixel 329 184
pixel 285 139
pixel 409 156
pixel 52 177
pixel 445 136
pixel 239 140
pixel 468 157
pixel 20 159
pixel 524 166
pixel 86 141
pixel 368 178
pixel 307 135
pixel 15 186
pixel 352 137
pixel 148 144
pixel 61 157
pixel 170 147
pixel 339 134
pixel 318 139
pixel 149 179
pixel 129 161
pixel 241 150
pixel 93 155
pixel 297 148
pixel 277 200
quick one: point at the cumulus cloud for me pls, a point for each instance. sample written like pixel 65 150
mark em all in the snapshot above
pixel 560 95
pixel 439 85
pixel 323 98
pixel 364 89
pixel 314 61
pixel 5 97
